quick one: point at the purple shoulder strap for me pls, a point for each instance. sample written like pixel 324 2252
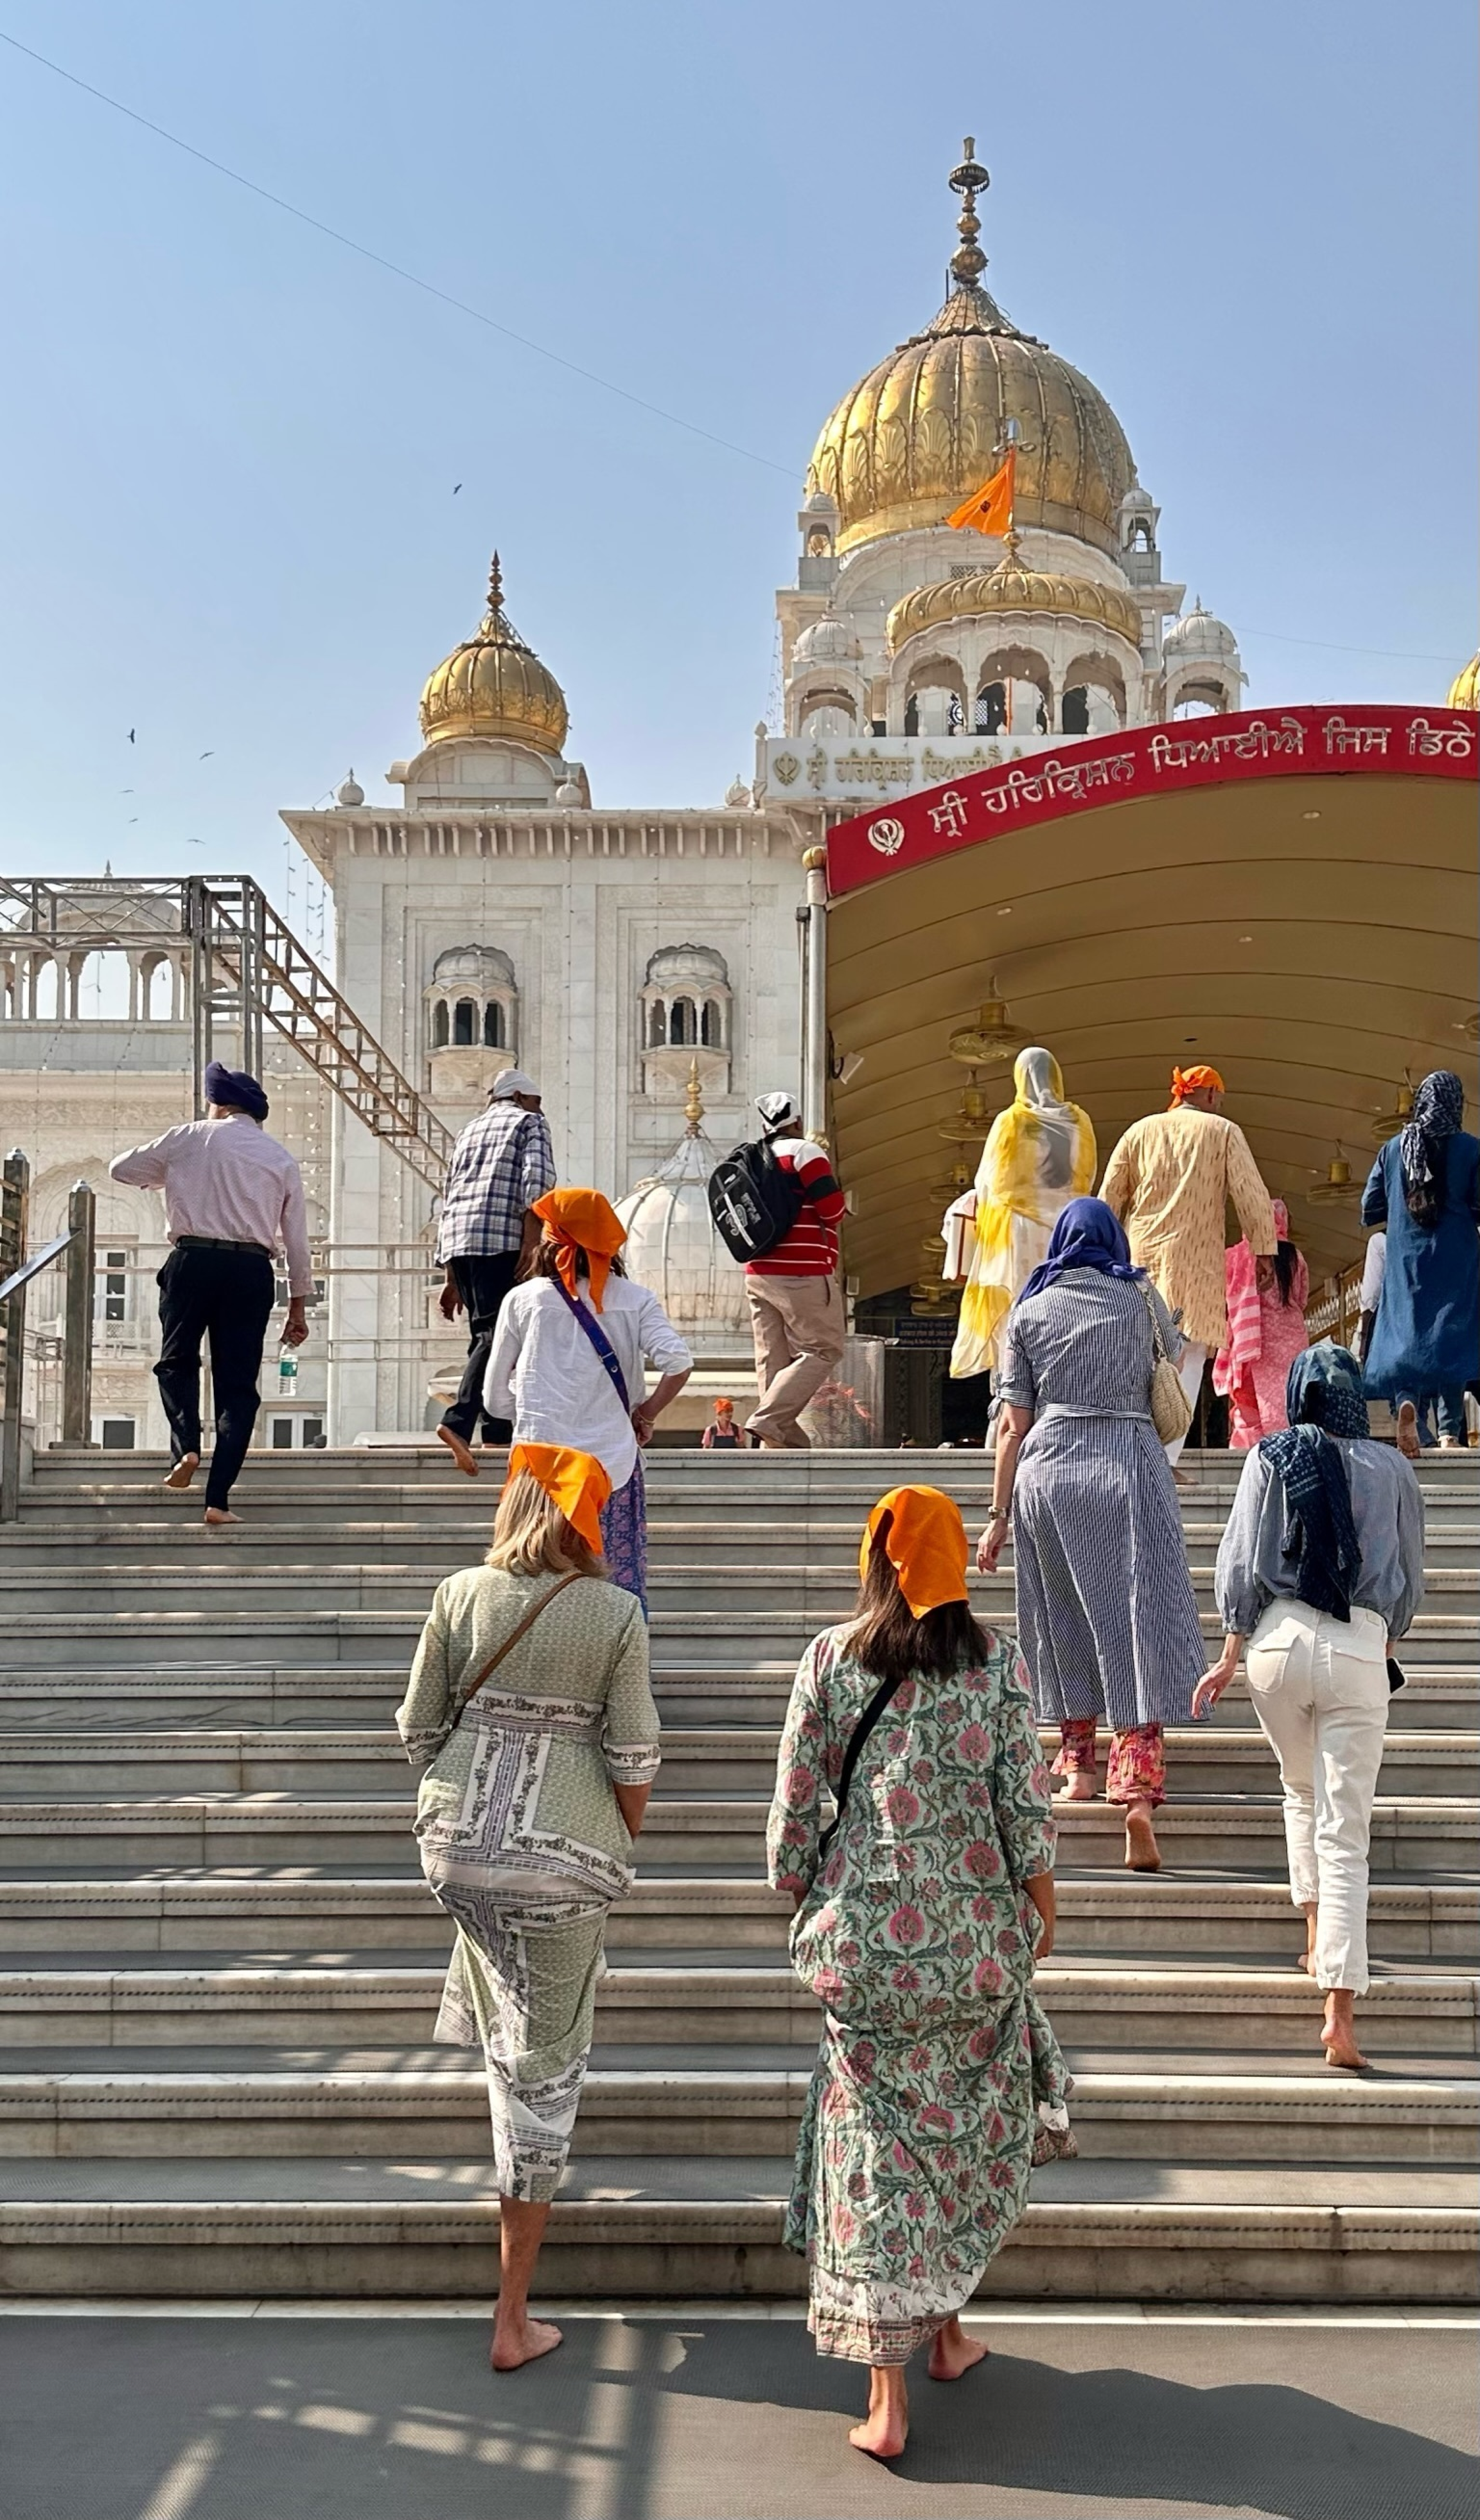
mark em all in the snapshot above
pixel 600 1341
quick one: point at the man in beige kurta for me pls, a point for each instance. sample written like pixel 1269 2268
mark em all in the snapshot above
pixel 1169 1181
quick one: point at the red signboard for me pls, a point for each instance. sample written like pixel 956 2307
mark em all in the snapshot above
pixel 1150 761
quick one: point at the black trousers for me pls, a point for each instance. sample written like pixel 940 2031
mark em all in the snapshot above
pixel 482 1279
pixel 225 1296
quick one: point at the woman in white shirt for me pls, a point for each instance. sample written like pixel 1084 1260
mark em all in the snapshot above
pixel 569 1363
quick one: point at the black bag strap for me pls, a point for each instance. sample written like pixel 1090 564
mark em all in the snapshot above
pixel 851 1756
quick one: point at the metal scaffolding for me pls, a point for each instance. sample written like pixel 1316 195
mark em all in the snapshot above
pixel 245 968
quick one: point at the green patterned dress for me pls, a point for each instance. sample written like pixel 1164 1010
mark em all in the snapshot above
pixel 937 2070
pixel 521 1839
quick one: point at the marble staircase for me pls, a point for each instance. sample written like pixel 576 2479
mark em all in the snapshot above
pixel 219 1968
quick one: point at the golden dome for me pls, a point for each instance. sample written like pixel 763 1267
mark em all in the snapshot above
pixel 1011 588
pixel 926 426
pixel 494 685
pixel 1464 689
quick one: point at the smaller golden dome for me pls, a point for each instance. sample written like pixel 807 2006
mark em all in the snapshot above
pixel 1464 689
pixel 494 685
pixel 1011 588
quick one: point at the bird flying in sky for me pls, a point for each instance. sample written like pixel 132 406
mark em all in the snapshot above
pixel 131 734
pixel 207 756
pixel 456 487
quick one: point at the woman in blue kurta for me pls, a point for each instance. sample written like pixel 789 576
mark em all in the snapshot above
pixel 1425 1189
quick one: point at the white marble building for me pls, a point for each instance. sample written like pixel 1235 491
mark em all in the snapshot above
pixel 488 910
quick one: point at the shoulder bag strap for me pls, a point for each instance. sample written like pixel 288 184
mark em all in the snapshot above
pixel 1158 1342
pixel 522 1630
pixel 600 1341
pixel 851 1756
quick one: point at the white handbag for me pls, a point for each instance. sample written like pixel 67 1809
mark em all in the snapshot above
pixel 1171 1409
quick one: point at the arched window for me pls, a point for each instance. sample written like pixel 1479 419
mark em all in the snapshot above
pixel 658 1024
pixel 1075 711
pixel 912 716
pixel 712 1031
pixel 991 708
pixel 683 1030
pixel 439 1024
pixel 465 1019
pixel 493 1025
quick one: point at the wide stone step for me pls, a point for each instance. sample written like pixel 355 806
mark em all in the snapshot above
pixel 697 1759
pixel 420 2227
pixel 267 1913
pixel 333 1696
pixel 1407 1835
pixel 1248 2011
pixel 211 2106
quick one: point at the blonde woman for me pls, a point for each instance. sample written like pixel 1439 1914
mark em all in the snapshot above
pixel 1040 1153
pixel 529 1707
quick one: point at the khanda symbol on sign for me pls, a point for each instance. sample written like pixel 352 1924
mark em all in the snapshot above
pixel 886 836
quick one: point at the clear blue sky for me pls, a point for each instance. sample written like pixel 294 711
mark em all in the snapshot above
pixel 228 446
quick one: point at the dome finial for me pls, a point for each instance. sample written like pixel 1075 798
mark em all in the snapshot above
pixel 495 585
pixel 970 177
pixel 694 1101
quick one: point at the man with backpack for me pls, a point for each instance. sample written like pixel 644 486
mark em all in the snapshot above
pixel 777 1203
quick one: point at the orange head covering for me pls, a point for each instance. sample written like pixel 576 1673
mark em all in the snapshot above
pixel 574 1481
pixel 1193 1080
pixel 582 1220
pixel 926 1547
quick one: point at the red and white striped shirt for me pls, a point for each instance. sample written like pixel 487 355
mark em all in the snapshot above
pixel 810 1248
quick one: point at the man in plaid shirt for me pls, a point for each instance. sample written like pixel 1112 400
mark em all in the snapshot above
pixel 501 1164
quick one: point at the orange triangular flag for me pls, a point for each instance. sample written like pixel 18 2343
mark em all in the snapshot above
pixel 989 509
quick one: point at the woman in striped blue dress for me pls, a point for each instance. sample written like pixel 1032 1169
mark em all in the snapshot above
pixel 1106 1619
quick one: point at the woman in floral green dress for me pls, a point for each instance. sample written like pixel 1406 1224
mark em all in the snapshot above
pixel 917 1927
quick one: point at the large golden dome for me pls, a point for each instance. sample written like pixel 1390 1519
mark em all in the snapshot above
pixel 1011 588
pixel 926 426
pixel 494 685
pixel 1464 689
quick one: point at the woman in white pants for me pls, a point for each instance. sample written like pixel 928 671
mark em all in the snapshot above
pixel 1320 1574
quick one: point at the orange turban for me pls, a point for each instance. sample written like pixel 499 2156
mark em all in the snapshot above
pixel 582 1220
pixel 574 1481
pixel 1193 1080
pixel 926 1547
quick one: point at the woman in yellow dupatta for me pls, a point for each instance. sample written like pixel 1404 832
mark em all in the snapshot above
pixel 1040 1153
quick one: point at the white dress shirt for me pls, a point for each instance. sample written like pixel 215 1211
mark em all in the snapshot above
pixel 545 1374
pixel 227 1178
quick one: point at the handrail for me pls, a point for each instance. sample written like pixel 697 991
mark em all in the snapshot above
pixel 76 1246
pixel 33 1266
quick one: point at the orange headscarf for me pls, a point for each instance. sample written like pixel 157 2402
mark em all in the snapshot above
pixel 1193 1080
pixel 926 1547
pixel 582 1220
pixel 574 1481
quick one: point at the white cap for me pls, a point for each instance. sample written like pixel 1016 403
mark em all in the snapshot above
pixel 512 1081
pixel 777 1109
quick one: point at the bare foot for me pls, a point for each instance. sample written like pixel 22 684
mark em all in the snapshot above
pixel 1408 1431
pixel 1078 1787
pixel 1341 2048
pixel 463 1455
pixel 1142 1853
pixel 883 2434
pixel 511 2351
pixel 953 2352
pixel 216 1515
pixel 184 1471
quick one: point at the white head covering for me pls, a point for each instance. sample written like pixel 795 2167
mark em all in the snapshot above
pixel 512 1081
pixel 777 1111
pixel 1038 1081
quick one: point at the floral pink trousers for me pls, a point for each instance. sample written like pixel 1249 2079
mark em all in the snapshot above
pixel 1136 1772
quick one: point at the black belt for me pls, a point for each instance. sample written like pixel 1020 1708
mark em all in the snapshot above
pixel 217 1243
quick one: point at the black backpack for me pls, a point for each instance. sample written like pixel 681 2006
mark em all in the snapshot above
pixel 754 1204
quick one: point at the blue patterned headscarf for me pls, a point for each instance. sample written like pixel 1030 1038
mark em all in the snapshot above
pixel 1438 1111
pixel 1088 1236
pixel 1323 1398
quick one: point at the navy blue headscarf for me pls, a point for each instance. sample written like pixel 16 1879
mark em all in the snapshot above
pixel 233 1090
pixel 1088 1236
pixel 1323 1398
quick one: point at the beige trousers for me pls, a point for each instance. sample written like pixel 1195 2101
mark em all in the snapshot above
pixel 797 1326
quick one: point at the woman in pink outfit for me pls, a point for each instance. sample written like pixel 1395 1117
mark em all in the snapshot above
pixel 1267 1300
